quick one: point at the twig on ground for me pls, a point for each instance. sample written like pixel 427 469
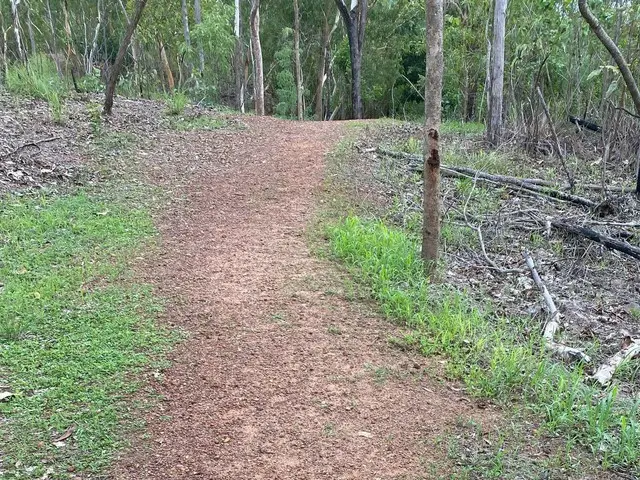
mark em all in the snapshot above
pixel 552 325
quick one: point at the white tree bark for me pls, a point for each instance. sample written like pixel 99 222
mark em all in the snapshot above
pixel 15 15
pixel 258 81
pixel 197 13
pixel 296 50
pixel 239 59
pixel 186 33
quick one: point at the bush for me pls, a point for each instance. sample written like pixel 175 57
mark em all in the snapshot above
pixel 38 79
pixel 176 103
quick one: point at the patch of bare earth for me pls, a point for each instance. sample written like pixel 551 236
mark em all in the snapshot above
pixel 282 376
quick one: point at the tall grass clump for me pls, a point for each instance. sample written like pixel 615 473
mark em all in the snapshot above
pixel 495 357
pixel 177 102
pixel 38 79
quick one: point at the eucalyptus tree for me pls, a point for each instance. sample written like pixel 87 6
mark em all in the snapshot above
pixel 355 20
pixel 433 115
pixel 496 90
pixel 258 81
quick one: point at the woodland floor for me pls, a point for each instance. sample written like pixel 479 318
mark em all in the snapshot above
pixel 282 376
pixel 286 370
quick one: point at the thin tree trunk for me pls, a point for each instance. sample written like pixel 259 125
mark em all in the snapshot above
pixel 296 53
pixel 94 43
pixel 32 37
pixel 3 47
pixel 168 74
pixel 433 116
pixel 15 15
pixel 609 44
pixel 117 65
pixel 496 92
pixel 197 12
pixel 239 60
pixel 187 35
pixel 257 57
pixel 54 42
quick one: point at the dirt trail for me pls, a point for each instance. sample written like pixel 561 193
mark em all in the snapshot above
pixel 282 377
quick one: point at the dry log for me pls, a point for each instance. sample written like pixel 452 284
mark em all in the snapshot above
pixel 537 185
pixel 552 325
pixel 605 372
pixel 608 242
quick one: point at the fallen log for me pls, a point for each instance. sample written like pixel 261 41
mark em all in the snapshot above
pixel 537 185
pixel 553 325
pixel 608 242
pixel 585 124
pixel 606 371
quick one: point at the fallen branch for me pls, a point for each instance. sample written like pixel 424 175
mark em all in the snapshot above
pixel 552 325
pixel 606 371
pixel 608 242
pixel 35 143
pixel 540 186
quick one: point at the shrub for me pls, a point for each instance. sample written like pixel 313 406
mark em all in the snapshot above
pixel 176 103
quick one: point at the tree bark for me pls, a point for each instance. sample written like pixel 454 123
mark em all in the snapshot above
pixel 117 65
pixel 254 20
pixel 94 43
pixel 296 53
pixel 609 44
pixel 166 68
pixel 239 60
pixel 355 19
pixel 494 126
pixel 197 12
pixel 322 69
pixel 187 35
pixel 15 15
pixel 32 37
pixel 433 116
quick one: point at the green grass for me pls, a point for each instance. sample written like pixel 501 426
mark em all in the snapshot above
pixel 38 79
pixel 464 128
pixel 75 329
pixel 495 357
pixel 176 103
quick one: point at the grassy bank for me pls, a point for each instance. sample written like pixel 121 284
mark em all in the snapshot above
pixel 497 358
pixel 75 329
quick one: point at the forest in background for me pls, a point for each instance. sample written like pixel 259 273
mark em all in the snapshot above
pixel 190 46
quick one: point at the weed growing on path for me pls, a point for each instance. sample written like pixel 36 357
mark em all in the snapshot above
pixel 74 330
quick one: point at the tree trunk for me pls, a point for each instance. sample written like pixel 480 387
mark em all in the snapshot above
pixel 32 37
pixel 254 20
pixel 494 126
pixel 609 44
pixel 433 116
pixel 296 53
pixel 166 68
pixel 322 70
pixel 53 47
pixel 187 35
pixel 3 47
pixel 94 43
pixel 197 12
pixel 239 60
pixel 15 15
pixel 117 65
pixel 355 20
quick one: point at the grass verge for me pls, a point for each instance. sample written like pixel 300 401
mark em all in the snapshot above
pixel 495 357
pixel 75 329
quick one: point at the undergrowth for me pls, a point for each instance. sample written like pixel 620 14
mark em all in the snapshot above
pixel 38 79
pixel 75 328
pixel 497 358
